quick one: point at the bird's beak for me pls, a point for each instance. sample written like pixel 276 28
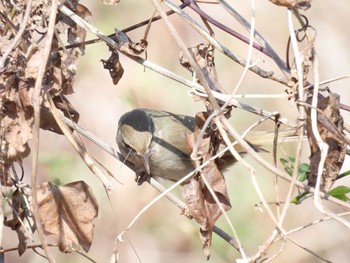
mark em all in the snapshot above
pixel 145 162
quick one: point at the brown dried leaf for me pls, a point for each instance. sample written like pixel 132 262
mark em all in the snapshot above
pixel 199 200
pixel 76 33
pixel 21 213
pixel 15 129
pixel 20 72
pixel 114 67
pixel 204 56
pixel 306 57
pixel 330 127
pixel 33 60
pixel 127 46
pixel 48 122
pixel 66 213
pixel 305 4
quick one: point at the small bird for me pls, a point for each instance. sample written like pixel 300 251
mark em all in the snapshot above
pixel 155 143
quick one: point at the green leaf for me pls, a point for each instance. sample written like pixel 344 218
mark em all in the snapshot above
pixel 342 189
pixel 303 168
pixel 283 161
pixel 340 192
pixel 342 197
pixel 289 170
pixel 292 159
pixel 302 177
pixel 289 167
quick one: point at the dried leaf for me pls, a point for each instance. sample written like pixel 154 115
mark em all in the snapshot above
pixel 127 46
pixel 114 67
pixel 15 130
pixel 204 57
pixel 199 199
pixel 330 127
pixel 76 33
pixel 33 61
pixel 19 73
pixel 304 4
pixel 66 213
pixel 48 122
pixel 306 57
pixel 22 222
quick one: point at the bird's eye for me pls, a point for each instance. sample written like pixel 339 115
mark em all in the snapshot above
pixel 130 152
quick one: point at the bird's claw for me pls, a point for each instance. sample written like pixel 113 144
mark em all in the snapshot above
pixel 140 178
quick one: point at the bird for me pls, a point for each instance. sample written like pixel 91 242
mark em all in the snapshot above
pixel 154 143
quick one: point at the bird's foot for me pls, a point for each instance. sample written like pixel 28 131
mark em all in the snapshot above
pixel 141 178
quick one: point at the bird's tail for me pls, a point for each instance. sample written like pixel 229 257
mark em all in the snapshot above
pixel 264 138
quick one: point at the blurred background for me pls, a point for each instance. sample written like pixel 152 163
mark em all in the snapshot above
pixel 162 234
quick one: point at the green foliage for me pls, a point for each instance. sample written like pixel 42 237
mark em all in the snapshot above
pixel 300 198
pixel 289 168
pixel 340 192
pixel 337 192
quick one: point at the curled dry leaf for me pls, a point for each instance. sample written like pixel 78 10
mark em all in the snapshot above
pixel 75 33
pixel 304 4
pixel 22 222
pixel 127 46
pixel 66 213
pixel 19 72
pixel 48 122
pixel 204 57
pixel 114 67
pixel 330 127
pixel 200 202
pixel 15 129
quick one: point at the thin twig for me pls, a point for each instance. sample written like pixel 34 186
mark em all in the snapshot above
pixel 5 250
pixel 309 250
pixel 1 221
pixel 36 107
pixel 334 79
pixel 297 229
pixel 125 30
pixel 188 19
pixel 301 118
pixel 223 133
pixel 204 79
pixel 96 168
pixel 198 91
pixel 17 38
pixel 228 30
pixel 232 241
pixel 272 53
